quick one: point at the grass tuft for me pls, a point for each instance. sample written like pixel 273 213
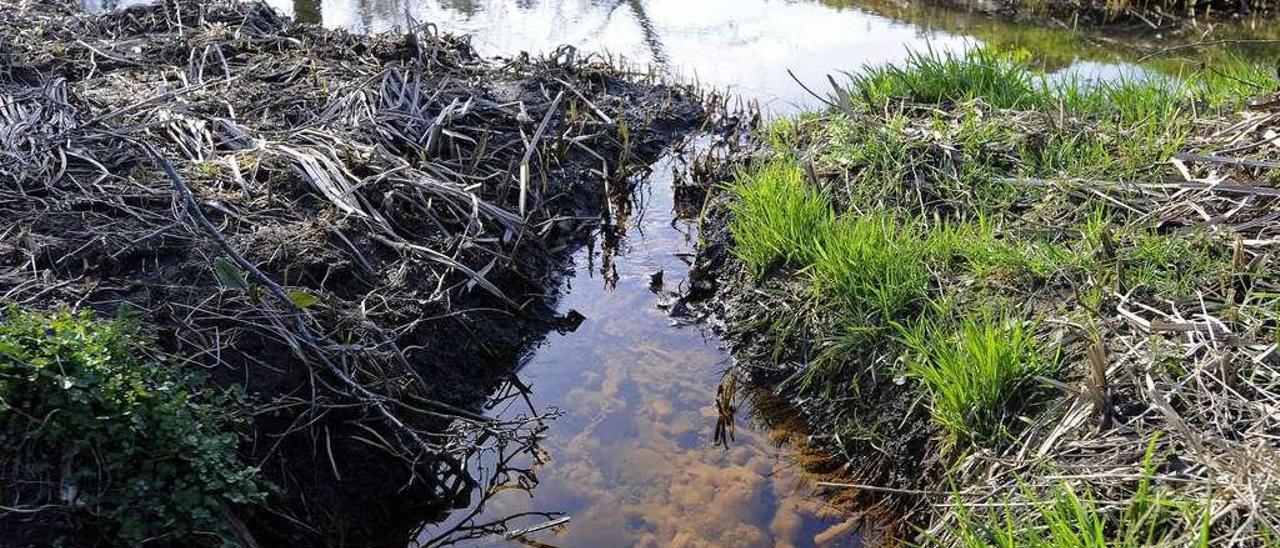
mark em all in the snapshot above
pixel 873 264
pixel 979 374
pixel 1071 517
pixel 775 217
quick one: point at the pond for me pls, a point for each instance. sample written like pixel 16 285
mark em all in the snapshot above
pixel 632 458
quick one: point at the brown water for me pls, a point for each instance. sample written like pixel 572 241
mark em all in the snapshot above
pixel 631 460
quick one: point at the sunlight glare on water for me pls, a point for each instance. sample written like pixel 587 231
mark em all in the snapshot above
pixel 743 46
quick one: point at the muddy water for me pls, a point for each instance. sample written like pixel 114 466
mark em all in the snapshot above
pixel 631 459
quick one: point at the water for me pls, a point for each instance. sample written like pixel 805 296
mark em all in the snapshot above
pixel 754 49
pixel 632 461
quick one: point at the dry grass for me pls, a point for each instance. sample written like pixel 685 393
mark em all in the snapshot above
pixel 1195 379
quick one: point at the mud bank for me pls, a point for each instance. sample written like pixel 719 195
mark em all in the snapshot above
pixel 361 233
pixel 1117 15
pixel 1022 318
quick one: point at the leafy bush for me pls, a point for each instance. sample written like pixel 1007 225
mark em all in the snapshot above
pixel 92 422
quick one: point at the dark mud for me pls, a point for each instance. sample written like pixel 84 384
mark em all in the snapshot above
pixel 374 261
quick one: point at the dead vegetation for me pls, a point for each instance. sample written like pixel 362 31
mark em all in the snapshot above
pixel 1130 230
pixel 1175 393
pixel 361 232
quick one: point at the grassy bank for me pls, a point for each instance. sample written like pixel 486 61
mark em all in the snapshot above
pixel 1148 13
pixel 1036 312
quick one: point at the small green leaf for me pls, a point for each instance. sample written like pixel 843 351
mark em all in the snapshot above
pixel 302 299
pixel 229 275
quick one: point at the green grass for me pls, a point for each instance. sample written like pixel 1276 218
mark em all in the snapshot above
pixel 920 206
pixel 959 198
pixel 1112 129
pixel 979 370
pixel 1068 517
pixel 869 265
pixel 776 216
pixel 993 254
pixel 944 78
pixel 873 264
pixel 1173 264
pixel 945 128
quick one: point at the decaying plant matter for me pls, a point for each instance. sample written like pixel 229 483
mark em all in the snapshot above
pixel 360 231
pixel 1071 338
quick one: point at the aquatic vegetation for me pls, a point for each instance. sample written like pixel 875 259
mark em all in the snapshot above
pixel 95 423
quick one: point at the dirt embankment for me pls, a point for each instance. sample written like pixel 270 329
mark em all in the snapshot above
pixel 1086 351
pixel 362 232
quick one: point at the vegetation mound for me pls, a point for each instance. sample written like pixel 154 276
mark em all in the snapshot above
pixel 360 233
pixel 1021 311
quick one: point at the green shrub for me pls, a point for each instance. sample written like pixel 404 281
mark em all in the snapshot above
pixel 93 421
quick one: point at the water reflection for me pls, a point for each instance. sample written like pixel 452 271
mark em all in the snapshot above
pixel 632 458
pixel 744 46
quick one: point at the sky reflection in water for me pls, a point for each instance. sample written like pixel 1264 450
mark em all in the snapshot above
pixel 632 460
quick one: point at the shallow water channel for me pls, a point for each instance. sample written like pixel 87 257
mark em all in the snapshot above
pixel 631 460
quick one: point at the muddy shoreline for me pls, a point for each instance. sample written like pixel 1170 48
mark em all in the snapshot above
pixel 1015 259
pixel 417 205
